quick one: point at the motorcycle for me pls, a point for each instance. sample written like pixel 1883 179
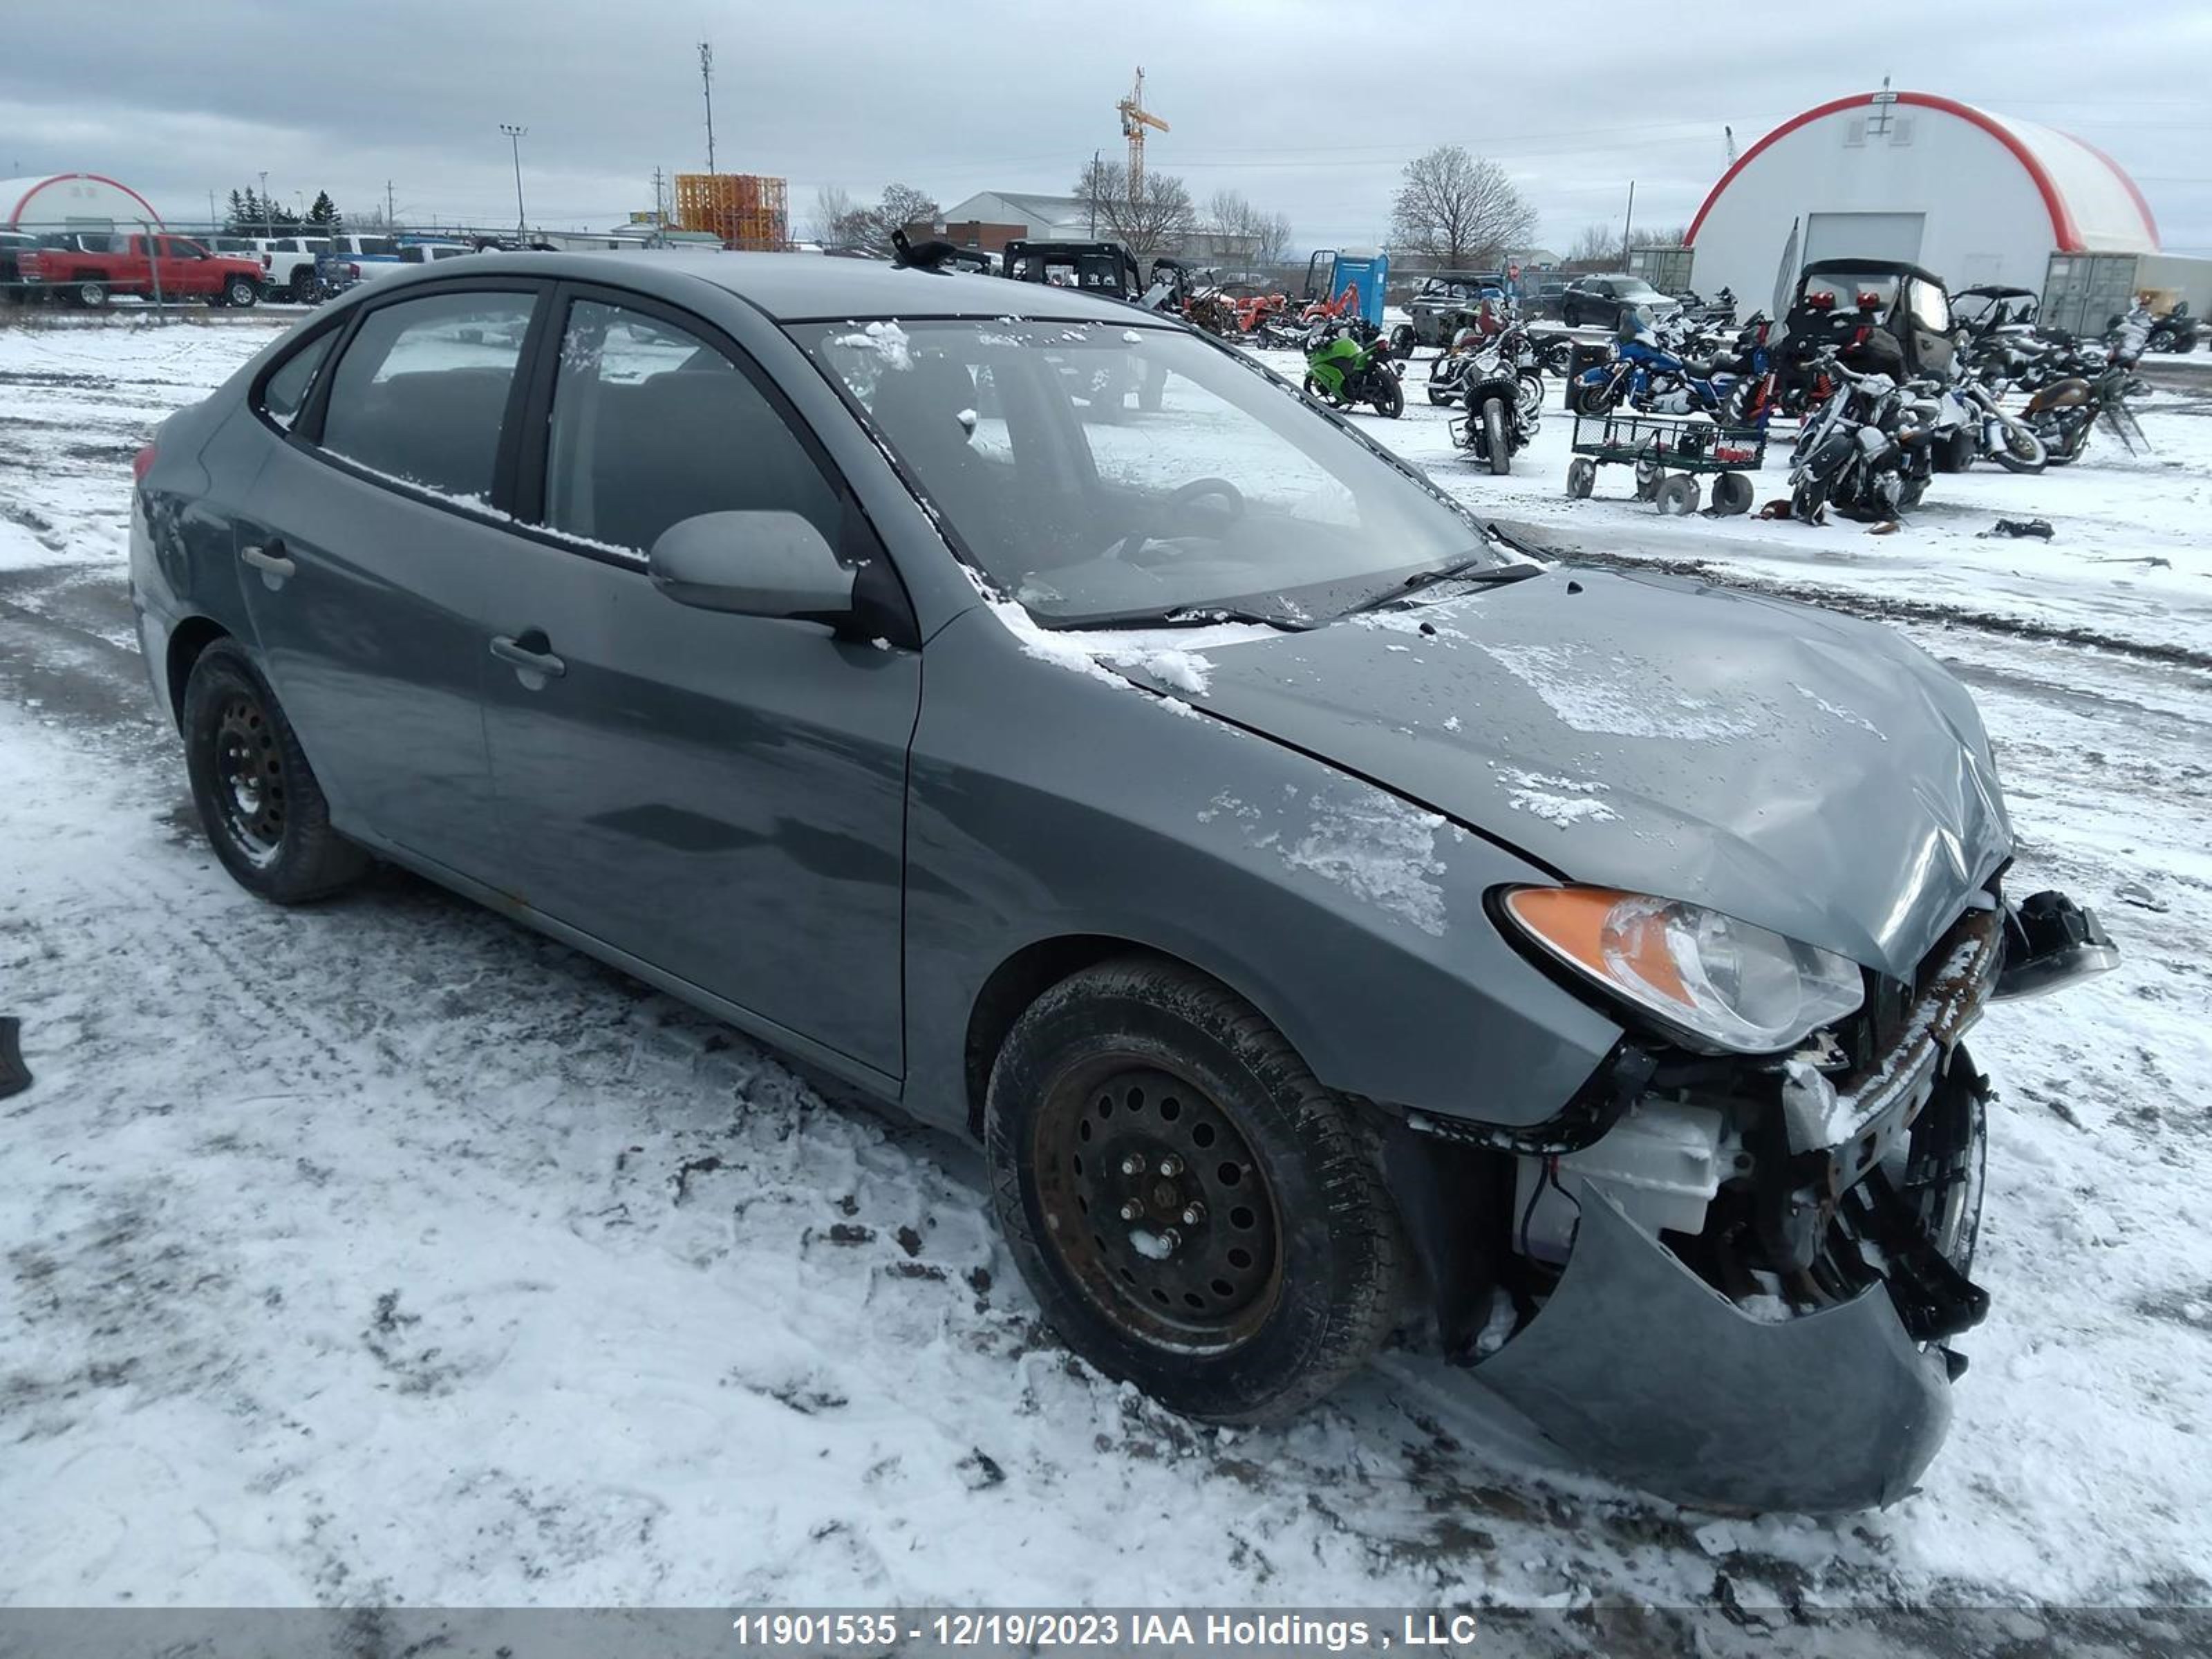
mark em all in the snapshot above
pixel 1343 371
pixel 1500 418
pixel 1971 426
pixel 1734 389
pixel 2062 414
pixel 1867 450
pixel 2175 332
pixel 1468 359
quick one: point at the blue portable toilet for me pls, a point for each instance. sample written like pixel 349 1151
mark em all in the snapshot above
pixel 1365 268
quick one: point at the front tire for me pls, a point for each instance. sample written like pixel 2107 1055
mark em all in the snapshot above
pixel 258 802
pixel 1389 398
pixel 1500 454
pixel 240 294
pixel 1194 1211
pixel 92 296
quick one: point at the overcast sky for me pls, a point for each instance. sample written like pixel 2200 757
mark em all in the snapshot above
pixel 1311 109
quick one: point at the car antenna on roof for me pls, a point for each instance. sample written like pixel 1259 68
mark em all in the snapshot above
pixel 934 254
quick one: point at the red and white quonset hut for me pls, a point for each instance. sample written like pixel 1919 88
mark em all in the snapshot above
pixel 1975 197
pixel 72 200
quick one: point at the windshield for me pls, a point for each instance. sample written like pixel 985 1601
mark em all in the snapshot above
pixel 1102 473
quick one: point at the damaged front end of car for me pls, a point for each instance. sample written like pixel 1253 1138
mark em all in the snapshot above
pixel 1729 1279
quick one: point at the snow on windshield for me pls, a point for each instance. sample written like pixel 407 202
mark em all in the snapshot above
pixel 1100 473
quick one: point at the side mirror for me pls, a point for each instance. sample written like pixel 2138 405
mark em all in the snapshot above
pixel 752 564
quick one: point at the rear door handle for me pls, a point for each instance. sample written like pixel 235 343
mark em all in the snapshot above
pixel 270 559
pixel 509 650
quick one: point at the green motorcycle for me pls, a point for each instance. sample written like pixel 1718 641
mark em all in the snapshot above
pixel 1343 372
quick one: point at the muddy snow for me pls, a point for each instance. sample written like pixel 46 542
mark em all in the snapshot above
pixel 383 1251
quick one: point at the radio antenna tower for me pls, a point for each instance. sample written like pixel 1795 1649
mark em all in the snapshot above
pixel 707 85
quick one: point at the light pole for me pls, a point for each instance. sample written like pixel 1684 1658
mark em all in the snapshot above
pixel 514 138
pixel 268 218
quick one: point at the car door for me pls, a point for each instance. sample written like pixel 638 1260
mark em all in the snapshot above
pixel 367 543
pixel 721 796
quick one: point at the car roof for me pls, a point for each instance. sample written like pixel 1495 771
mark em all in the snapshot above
pixel 809 287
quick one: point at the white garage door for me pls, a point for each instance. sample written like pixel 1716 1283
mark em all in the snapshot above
pixel 1864 236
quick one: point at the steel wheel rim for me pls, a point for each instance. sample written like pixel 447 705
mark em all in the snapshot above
pixel 249 781
pixel 1134 1168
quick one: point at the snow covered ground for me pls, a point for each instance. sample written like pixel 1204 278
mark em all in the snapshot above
pixel 382 1251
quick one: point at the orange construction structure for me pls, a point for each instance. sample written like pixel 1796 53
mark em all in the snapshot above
pixel 745 209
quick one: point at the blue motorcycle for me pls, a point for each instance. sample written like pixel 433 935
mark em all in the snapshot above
pixel 1734 388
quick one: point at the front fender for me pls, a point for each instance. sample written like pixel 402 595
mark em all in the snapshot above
pixel 1048 803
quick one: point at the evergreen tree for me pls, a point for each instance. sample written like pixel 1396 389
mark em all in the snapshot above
pixel 323 213
pixel 239 219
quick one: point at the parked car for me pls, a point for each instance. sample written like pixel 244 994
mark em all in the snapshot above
pixel 423 253
pixel 1602 300
pixel 13 288
pixel 168 267
pixel 1605 1034
pixel 288 265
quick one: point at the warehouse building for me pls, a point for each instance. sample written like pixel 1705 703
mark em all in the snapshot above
pixel 72 202
pixel 1974 197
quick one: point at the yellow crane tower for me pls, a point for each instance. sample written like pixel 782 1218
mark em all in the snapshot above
pixel 1135 118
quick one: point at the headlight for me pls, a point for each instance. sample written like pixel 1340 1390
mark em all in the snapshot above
pixel 1720 981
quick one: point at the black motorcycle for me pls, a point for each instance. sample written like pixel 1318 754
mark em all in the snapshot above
pixel 1867 450
pixel 1501 416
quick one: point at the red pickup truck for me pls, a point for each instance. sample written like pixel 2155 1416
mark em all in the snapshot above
pixel 166 267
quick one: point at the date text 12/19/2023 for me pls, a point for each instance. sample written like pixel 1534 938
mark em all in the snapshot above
pixel 1029 1629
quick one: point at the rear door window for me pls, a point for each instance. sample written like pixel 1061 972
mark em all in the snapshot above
pixel 422 391
pixel 651 424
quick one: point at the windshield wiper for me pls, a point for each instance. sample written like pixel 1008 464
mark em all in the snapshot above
pixel 1475 571
pixel 1181 616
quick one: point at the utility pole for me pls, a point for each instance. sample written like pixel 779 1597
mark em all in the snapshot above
pixel 706 86
pixel 660 217
pixel 391 213
pixel 515 134
pixel 1096 162
pixel 214 223
pixel 1627 225
pixel 267 217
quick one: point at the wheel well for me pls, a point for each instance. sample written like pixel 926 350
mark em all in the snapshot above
pixel 187 640
pixel 1024 977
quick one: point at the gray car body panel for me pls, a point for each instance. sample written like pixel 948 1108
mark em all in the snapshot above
pixel 1636 1364
pixel 1355 923
pixel 1817 775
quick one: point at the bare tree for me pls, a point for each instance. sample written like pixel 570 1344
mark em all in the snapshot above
pixel 1262 238
pixel 1595 245
pixel 870 228
pixel 1459 210
pixel 1159 220
pixel 833 208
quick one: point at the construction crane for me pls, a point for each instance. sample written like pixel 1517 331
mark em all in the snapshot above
pixel 1135 118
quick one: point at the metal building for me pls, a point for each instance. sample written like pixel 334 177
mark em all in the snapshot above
pixel 72 200
pixel 1974 197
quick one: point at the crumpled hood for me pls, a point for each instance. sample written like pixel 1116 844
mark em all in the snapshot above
pixel 1813 773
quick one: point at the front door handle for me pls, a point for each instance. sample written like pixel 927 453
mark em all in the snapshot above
pixel 270 559
pixel 509 650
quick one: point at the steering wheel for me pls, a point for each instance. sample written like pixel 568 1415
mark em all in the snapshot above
pixel 1196 489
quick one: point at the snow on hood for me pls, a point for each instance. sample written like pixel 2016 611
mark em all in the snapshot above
pixel 1814 774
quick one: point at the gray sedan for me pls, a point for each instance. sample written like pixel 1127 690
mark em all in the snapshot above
pixel 1334 922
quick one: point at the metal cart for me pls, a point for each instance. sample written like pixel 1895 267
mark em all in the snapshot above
pixel 1668 451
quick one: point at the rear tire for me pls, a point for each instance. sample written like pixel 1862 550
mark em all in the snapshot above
pixel 1677 497
pixel 1138 1094
pixel 1582 477
pixel 303 286
pixel 258 801
pixel 1731 494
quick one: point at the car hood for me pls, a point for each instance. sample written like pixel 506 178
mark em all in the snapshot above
pixel 1814 774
